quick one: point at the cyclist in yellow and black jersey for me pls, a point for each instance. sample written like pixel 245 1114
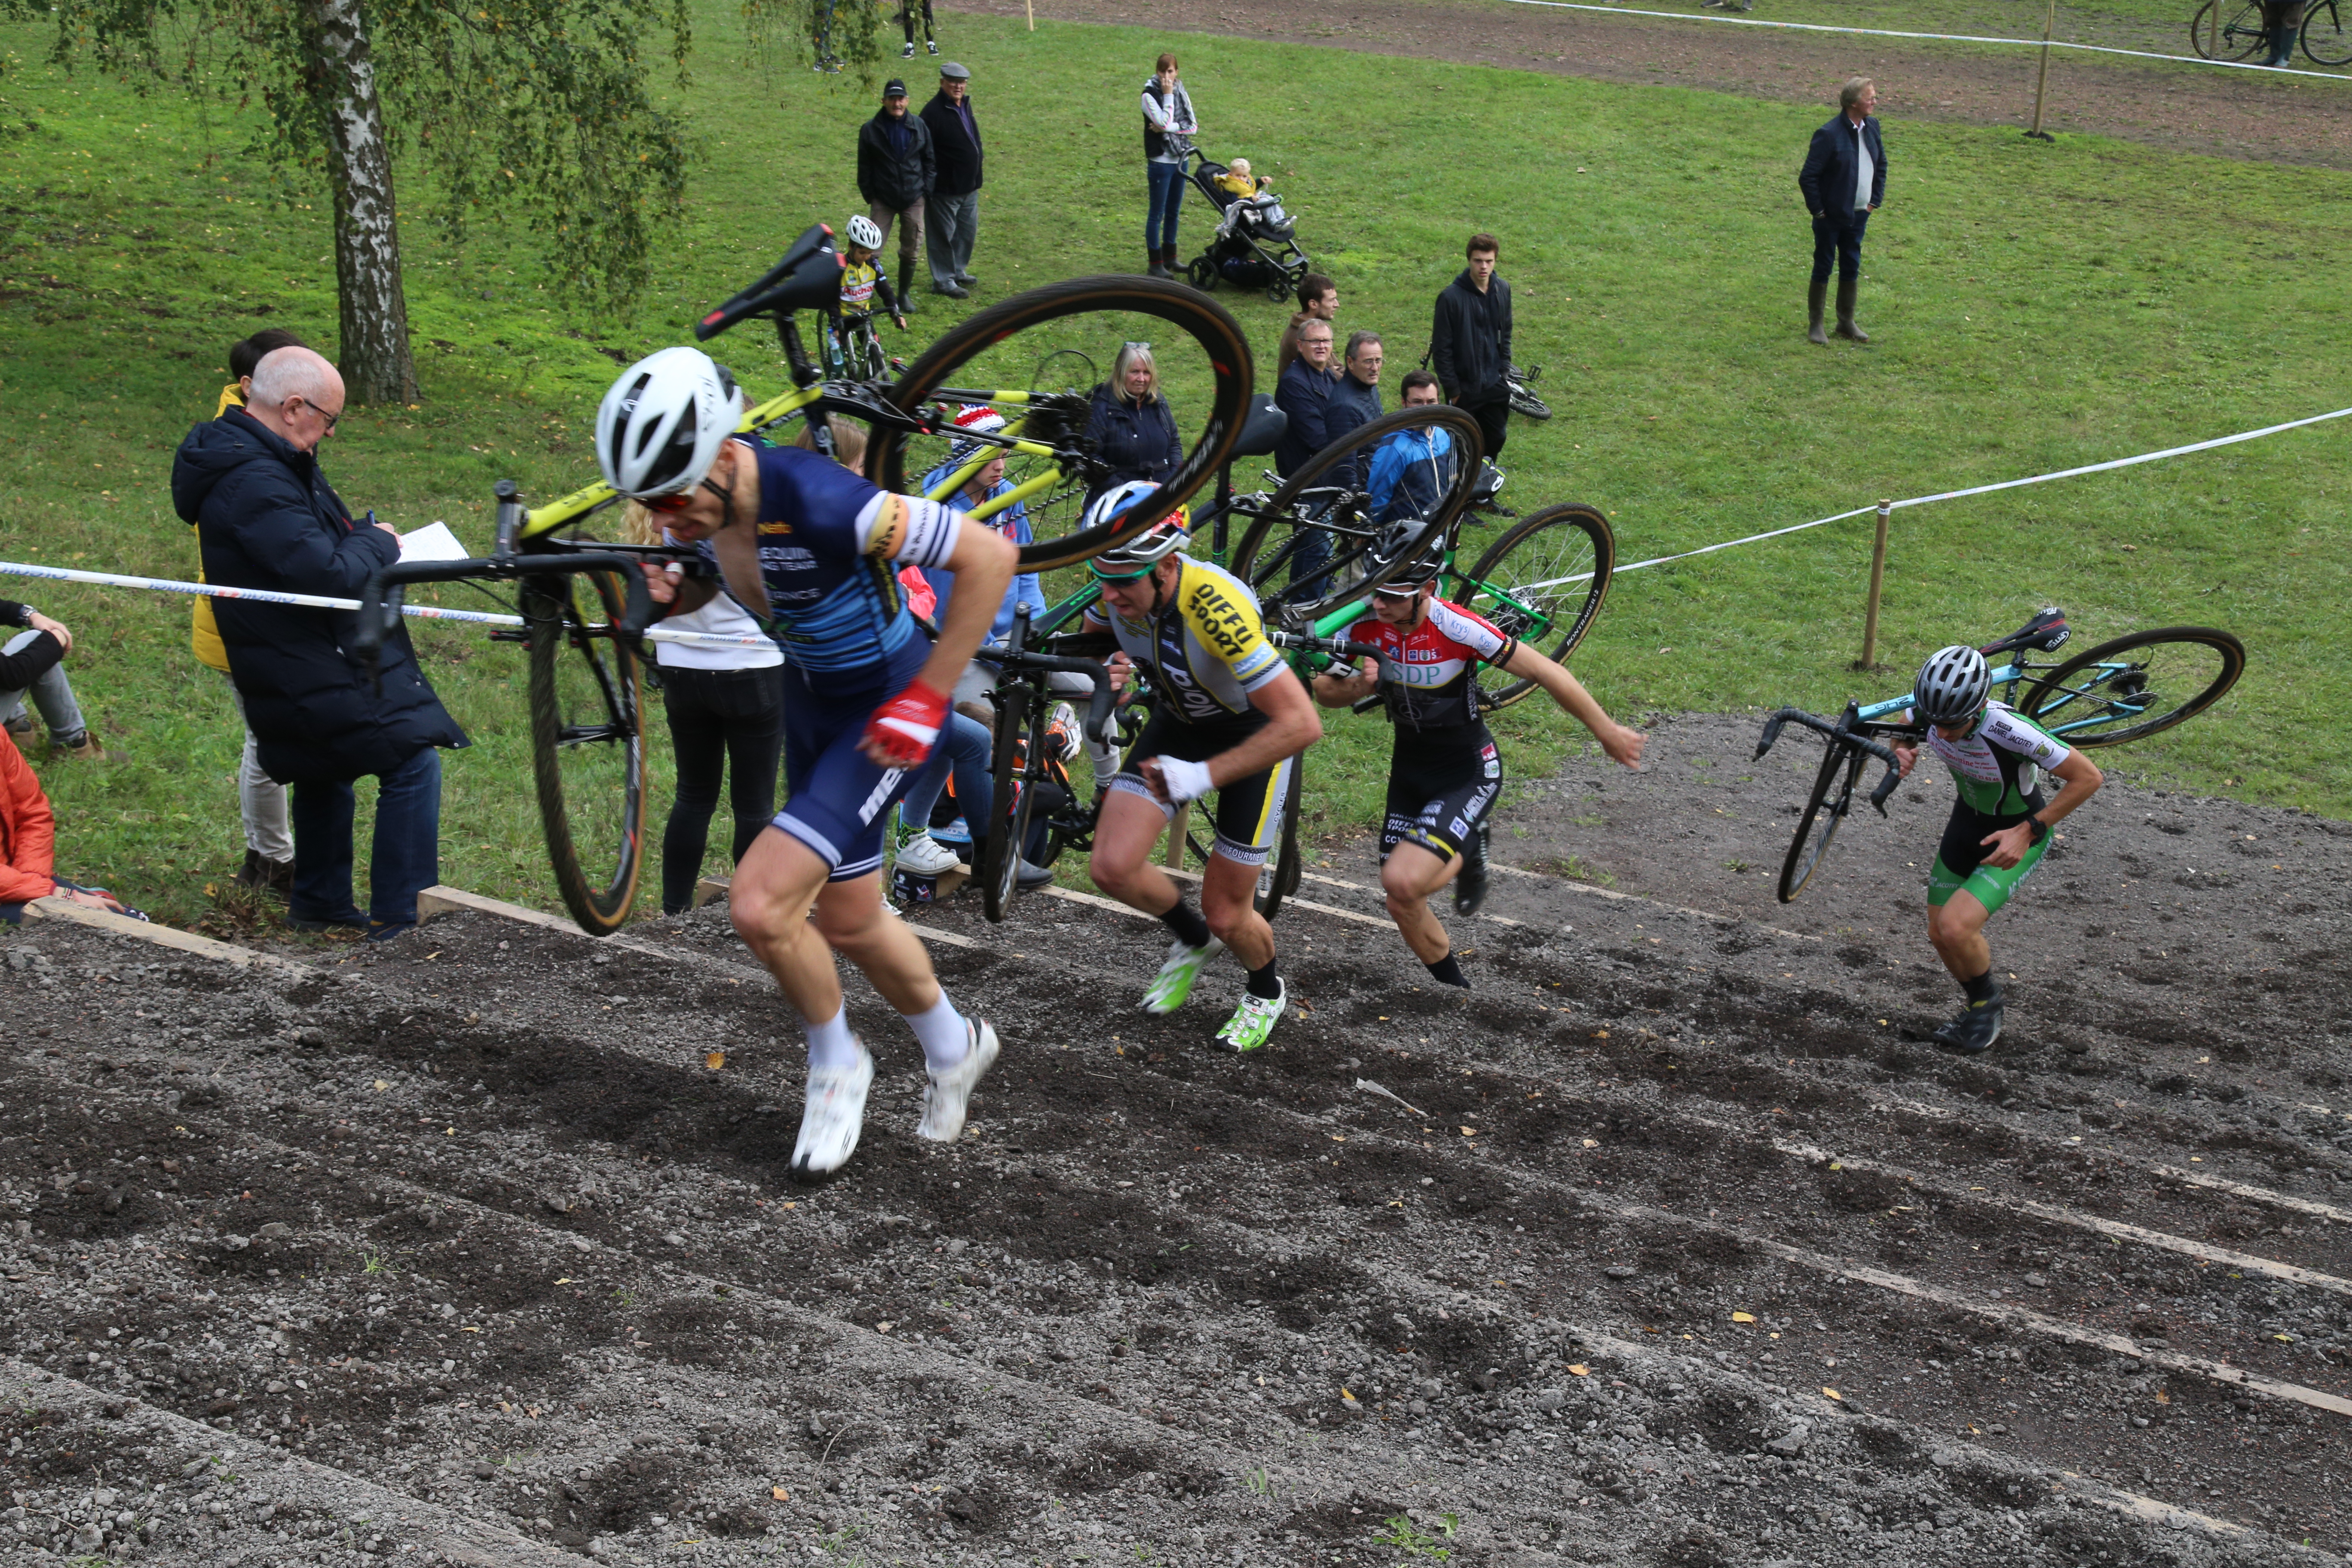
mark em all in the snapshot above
pixel 1227 715
pixel 862 281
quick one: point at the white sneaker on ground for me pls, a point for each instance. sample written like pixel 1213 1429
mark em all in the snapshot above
pixel 926 856
pixel 946 1096
pixel 833 1117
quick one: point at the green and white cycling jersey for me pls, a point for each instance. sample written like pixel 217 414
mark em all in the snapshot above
pixel 1997 765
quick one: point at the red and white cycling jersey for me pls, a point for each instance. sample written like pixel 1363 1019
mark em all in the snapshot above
pixel 1438 663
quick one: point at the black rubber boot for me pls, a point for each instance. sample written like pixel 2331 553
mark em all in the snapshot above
pixel 1158 268
pixel 1815 297
pixel 1470 883
pixel 2284 49
pixel 1974 1030
pixel 1847 288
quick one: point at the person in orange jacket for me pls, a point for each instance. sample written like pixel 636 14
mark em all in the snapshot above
pixel 28 841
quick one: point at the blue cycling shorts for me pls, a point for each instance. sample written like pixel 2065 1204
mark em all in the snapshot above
pixel 835 799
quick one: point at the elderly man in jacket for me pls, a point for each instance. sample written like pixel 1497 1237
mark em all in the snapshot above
pixel 895 170
pixel 954 205
pixel 1844 182
pixel 1305 393
pixel 266 518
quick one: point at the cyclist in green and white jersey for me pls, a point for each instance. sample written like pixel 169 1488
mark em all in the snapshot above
pixel 1999 825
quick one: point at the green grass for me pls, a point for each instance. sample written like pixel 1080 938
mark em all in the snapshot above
pixel 2036 307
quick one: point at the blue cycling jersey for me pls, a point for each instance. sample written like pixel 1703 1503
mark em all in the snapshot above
pixel 830 544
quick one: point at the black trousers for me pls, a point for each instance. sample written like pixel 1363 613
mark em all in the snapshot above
pixel 1494 420
pixel 1838 243
pixel 723 724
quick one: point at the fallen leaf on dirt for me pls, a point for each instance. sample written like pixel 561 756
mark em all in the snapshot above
pixel 1579 1372
pixel 1339 1138
pixel 1743 1316
pixel 563 1282
pixel 2164 1396
pixel 1836 1165
pixel 714 1060
pixel 1600 1033
pixel 381 1085
pixel 1592 1143
pixel 448 1132
pixel 1833 1393
pixel 884 1328
pixel 779 1494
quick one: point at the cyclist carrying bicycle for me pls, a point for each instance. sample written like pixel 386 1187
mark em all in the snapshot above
pixel 1444 770
pixel 1999 825
pixel 804 540
pixel 1228 716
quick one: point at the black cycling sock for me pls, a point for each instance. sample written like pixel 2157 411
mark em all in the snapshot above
pixel 1265 983
pixel 1448 971
pixel 1981 989
pixel 1185 924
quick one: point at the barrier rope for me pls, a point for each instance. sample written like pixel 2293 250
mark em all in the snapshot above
pixel 320 601
pixel 1934 37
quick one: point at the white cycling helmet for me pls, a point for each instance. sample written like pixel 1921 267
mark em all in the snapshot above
pixel 1952 685
pixel 660 428
pixel 865 231
pixel 1125 563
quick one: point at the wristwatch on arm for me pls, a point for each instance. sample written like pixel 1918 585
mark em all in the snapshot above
pixel 2036 829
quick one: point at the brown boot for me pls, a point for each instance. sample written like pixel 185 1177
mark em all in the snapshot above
pixel 1845 326
pixel 82 748
pixel 1815 297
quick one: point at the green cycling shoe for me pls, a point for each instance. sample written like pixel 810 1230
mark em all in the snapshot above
pixel 1252 1021
pixel 1174 982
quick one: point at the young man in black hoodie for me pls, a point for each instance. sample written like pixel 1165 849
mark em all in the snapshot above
pixel 1470 341
pixel 266 518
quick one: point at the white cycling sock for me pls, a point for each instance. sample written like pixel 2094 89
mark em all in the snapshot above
pixel 830 1044
pixel 945 1038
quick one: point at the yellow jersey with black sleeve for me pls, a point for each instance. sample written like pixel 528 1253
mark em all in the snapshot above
pixel 1205 647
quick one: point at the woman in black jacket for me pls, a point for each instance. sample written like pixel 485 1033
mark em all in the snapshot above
pixel 1133 427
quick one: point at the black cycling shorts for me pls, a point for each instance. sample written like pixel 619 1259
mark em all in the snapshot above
pixel 1438 797
pixel 1249 811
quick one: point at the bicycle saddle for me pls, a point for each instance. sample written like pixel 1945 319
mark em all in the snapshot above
pixel 1262 430
pixel 2046 633
pixel 807 279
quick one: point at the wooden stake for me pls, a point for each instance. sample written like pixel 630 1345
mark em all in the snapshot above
pixel 1033 14
pixel 1176 827
pixel 2042 82
pixel 1877 579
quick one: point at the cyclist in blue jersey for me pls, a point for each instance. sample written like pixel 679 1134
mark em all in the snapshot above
pixel 1999 827
pixel 814 549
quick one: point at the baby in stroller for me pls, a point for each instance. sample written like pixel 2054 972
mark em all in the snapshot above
pixel 1255 245
pixel 1237 180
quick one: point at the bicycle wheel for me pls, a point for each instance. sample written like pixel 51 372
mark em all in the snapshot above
pixel 1286 867
pixel 1819 824
pixel 1527 405
pixel 2242 29
pixel 2325 39
pixel 1204 367
pixel 1329 493
pixel 1008 810
pixel 587 744
pixel 2136 685
pixel 1543 583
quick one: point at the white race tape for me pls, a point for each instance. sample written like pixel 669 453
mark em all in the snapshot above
pixel 1933 38
pixel 319 602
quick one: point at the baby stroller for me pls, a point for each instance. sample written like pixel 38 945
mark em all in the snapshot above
pixel 1255 245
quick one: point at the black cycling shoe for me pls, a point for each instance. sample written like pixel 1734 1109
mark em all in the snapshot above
pixel 1974 1030
pixel 1470 885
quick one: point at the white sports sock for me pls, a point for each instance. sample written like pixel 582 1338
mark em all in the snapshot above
pixel 830 1044
pixel 945 1038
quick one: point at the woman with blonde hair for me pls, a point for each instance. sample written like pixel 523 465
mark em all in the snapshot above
pixel 1133 427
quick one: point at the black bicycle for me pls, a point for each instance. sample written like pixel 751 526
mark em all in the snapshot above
pixel 2242 31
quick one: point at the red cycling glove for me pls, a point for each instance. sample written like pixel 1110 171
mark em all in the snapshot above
pixel 905 729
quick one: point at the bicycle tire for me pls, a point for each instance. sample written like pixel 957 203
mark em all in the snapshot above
pixel 1287 866
pixel 1257 559
pixel 1548 561
pixel 587 692
pixel 1810 844
pixel 2127 682
pixel 1009 765
pixel 1528 405
pixel 1206 323
pixel 2237 41
pixel 2328 42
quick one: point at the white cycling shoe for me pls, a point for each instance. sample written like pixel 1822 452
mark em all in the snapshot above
pixel 833 1117
pixel 946 1096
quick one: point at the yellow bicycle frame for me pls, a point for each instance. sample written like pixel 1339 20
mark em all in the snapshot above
pixel 556 514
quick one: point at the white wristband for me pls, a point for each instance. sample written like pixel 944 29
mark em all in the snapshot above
pixel 1185 780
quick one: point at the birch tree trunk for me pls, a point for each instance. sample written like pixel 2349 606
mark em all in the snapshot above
pixel 375 361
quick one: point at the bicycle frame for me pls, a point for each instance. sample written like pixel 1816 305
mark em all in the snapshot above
pixel 2007 677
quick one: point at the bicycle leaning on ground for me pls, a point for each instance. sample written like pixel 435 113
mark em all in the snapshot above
pixel 584 601
pixel 2121 690
pixel 2244 31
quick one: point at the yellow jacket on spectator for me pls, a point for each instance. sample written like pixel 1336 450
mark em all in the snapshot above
pixel 203 635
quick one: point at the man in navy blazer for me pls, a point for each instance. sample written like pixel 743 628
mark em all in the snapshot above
pixel 1844 182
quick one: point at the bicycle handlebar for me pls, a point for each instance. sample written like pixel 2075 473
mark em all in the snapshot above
pixel 1837 733
pixel 1338 648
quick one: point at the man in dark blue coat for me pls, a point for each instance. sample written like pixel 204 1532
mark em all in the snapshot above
pixel 266 518
pixel 1305 393
pixel 1843 181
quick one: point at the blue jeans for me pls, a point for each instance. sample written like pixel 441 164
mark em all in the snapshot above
pixel 965 747
pixel 404 860
pixel 1841 242
pixel 1166 200
pixel 1307 564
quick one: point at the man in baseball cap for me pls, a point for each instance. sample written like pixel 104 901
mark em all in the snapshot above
pixel 894 168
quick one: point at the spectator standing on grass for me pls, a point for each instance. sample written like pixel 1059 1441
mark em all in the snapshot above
pixel 266 517
pixel 1318 300
pixel 952 210
pixel 1470 341
pixel 1356 395
pixel 2284 20
pixel 894 174
pixel 260 799
pixel 1167 112
pixel 724 704
pixel 28 841
pixel 1844 182
pixel 32 665
pixel 1306 393
pixel 1133 428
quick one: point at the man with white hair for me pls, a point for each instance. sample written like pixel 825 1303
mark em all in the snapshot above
pixel 266 517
